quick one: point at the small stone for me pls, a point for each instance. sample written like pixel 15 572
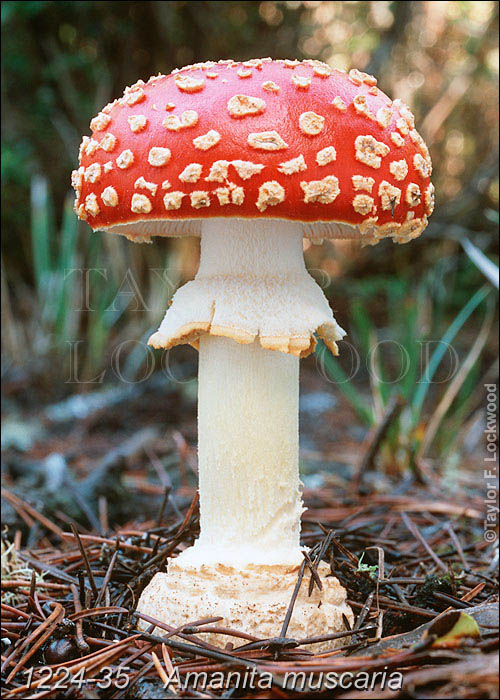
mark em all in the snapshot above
pixel 60 651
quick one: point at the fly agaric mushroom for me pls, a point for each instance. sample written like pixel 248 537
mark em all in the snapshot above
pixel 252 157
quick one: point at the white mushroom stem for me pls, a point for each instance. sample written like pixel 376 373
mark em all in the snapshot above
pixel 248 434
pixel 250 502
pixel 252 289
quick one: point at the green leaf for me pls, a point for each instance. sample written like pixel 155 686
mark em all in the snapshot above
pixel 370 569
pixel 451 628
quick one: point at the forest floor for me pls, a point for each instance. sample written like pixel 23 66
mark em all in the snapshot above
pixel 100 489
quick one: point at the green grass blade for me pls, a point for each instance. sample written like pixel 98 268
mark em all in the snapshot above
pixel 65 263
pixel 460 378
pixel 344 384
pixel 439 352
pixel 362 324
pixel 481 261
pixel 69 235
pixel 40 233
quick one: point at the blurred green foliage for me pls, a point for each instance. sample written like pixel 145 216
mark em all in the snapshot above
pixel 63 60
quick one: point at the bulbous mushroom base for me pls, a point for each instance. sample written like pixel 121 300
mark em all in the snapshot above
pixel 253 600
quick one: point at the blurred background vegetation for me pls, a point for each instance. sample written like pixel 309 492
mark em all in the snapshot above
pixel 63 60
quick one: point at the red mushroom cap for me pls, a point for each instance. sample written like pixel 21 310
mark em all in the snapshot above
pixel 278 139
